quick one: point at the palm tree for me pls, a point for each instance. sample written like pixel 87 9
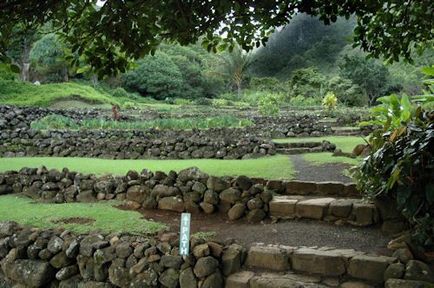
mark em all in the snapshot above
pixel 233 66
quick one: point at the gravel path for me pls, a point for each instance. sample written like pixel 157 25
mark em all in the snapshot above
pixel 305 171
pixel 291 232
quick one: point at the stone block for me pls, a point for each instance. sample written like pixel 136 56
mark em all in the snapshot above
pixel 313 208
pixel 300 188
pixel 283 207
pixel 341 208
pixel 330 188
pixel 325 263
pixel 239 280
pixel 369 268
pixel 270 258
pixel 364 214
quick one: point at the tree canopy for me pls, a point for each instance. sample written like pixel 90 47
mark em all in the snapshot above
pixel 111 33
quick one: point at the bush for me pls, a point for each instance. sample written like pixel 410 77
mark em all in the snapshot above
pixel 156 76
pixel 347 92
pixel 6 73
pixel 120 92
pixel 220 102
pixel 307 82
pixel 401 164
pixel 268 84
pixel 269 104
pixel 329 102
pixel 300 101
pixel 129 105
pixel 203 101
pixel 182 101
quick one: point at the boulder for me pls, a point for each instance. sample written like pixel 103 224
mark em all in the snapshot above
pixel 237 211
pixel 171 203
pixel 205 266
pixel 32 273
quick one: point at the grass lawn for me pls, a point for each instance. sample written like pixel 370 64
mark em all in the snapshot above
pixel 107 218
pixel 272 167
pixel 345 143
pixel 326 158
pixel 28 94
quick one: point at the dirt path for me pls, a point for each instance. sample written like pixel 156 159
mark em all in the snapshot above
pixel 292 233
pixel 305 171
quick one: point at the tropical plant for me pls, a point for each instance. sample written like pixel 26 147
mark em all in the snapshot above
pixel 329 102
pixel 269 104
pixel 233 67
pixel 401 164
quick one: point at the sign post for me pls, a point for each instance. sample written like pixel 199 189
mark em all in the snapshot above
pixel 184 234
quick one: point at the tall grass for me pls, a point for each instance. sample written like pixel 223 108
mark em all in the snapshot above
pixel 51 122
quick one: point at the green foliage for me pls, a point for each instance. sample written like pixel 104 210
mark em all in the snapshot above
pixel 156 76
pixel 269 104
pixel 268 84
pixel 120 92
pixel 6 73
pixel 48 56
pixel 109 34
pixel 60 122
pixel 300 101
pixel 369 74
pixel 219 103
pixel 347 92
pixel 329 102
pixel 401 164
pixel 307 82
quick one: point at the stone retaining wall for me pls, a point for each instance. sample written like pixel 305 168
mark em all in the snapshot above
pixel 31 257
pixel 215 143
pixel 194 191
pixel 51 258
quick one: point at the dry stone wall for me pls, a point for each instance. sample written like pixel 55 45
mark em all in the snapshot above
pixel 194 191
pixel 215 143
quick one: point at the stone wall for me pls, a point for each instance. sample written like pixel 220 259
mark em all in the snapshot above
pixel 194 191
pixel 116 144
pixel 54 258
pixel 31 257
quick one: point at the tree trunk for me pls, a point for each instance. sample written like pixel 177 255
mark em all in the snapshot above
pixel 25 59
pixel 65 74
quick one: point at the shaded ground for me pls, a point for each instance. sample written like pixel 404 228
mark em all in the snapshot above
pixel 292 233
pixel 305 171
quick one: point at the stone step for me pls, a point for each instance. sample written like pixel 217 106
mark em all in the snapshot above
pixel 339 210
pixel 301 150
pixel 324 263
pixel 298 145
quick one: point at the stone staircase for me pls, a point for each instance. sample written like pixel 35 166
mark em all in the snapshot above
pixel 346 131
pixel 304 147
pixel 292 267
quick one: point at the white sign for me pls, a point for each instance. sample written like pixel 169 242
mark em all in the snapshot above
pixel 184 234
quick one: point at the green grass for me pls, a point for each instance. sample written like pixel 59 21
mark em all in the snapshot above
pixel 272 167
pixel 328 158
pixel 28 94
pixel 345 143
pixel 107 218
pixel 51 122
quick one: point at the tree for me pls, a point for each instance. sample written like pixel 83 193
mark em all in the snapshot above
pixel 49 58
pixel 20 45
pixel 233 66
pixel 370 75
pixel 110 33
pixel 156 76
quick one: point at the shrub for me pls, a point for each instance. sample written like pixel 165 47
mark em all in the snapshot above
pixel 301 101
pixel 220 102
pixel 130 105
pixel 329 102
pixel 156 76
pixel 307 82
pixel 182 101
pixel 401 164
pixel 269 84
pixel 6 73
pixel 347 92
pixel 203 101
pixel 269 104
pixel 54 122
pixel 120 92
